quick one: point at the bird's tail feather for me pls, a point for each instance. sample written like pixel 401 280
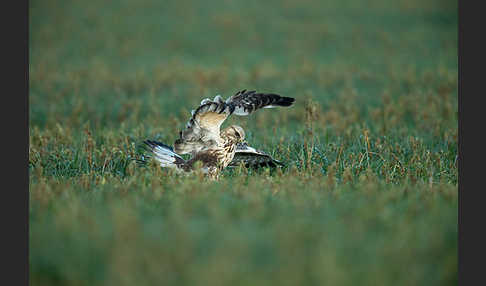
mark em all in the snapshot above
pixel 164 155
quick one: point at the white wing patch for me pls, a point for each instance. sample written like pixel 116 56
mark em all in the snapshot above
pixel 240 110
pixel 204 101
pixel 218 99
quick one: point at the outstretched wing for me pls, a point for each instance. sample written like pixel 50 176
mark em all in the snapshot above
pixel 245 102
pixel 202 130
pixel 252 158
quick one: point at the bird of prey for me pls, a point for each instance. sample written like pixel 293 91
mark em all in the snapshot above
pixel 204 140
pixel 213 159
pixel 249 156
pixel 203 129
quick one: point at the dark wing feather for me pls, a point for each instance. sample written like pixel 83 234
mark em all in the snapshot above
pixel 252 158
pixel 245 102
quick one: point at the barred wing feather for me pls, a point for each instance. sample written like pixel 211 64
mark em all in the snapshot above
pixel 253 158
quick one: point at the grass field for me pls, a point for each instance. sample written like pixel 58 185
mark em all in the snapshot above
pixel 369 192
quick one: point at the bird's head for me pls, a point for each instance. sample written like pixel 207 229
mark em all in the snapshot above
pixel 234 132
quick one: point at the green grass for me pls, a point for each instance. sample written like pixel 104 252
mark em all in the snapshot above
pixel 369 193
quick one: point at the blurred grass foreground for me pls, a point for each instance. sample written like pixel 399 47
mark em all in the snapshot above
pixel 369 192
